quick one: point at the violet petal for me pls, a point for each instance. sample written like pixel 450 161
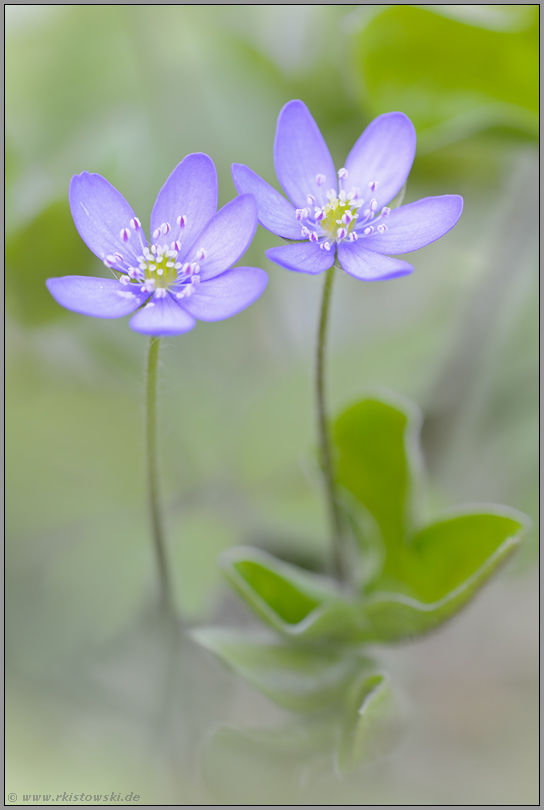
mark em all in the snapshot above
pixel 384 154
pixel 97 297
pixel 162 317
pixel 226 294
pixel 368 266
pixel 226 237
pixel 301 156
pixel 275 213
pixel 413 226
pixel 190 191
pixel 304 257
pixel 100 213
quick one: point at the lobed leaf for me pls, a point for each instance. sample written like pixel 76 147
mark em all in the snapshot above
pixel 444 567
pixel 369 713
pixel 297 678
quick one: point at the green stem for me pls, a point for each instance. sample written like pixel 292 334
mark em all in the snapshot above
pixel 335 521
pixel 165 592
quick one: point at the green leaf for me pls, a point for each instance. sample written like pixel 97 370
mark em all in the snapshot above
pixel 369 712
pixel 446 563
pixel 376 462
pixel 48 246
pixel 296 678
pixel 298 604
pixel 450 77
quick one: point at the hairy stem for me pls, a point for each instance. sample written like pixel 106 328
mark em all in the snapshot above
pixel 335 522
pixel 165 592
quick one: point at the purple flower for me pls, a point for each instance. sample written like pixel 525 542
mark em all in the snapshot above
pixel 184 274
pixel 345 211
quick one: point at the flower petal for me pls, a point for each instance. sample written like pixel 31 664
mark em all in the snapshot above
pixel 384 154
pixel 190 191
pixel 98 297
pixel 304 257
pixel 368 266
pixel 275 213
pixel 226 237
pixel 227 294
pixel 162 317
pixel 413 226
pixel 300 155
pixel 100 213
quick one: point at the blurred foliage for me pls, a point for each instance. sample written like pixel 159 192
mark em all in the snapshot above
pixel 56 248
pixel 128 91
pixel 457 76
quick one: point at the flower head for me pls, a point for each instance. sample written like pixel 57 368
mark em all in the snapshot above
pixel 345 212
pixel 184 274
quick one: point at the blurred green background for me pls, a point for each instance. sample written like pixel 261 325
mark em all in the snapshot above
pixel 128 91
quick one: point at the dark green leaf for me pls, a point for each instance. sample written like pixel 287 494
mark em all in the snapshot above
pixel 49 246
pixel 376 460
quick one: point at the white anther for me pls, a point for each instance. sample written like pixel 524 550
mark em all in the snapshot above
pixel 170 264
pixel 143 266
pixel 182 221
pixel 368 231
pixel 357 203
pixel 124 234
pixel 342 174
pixel 149 284
pixel 178 265
pixel 382 228
pixel 331 194
pixel 185 268
pixel 373 205
pixel 135 224
pixel 153 250
pixel 165 228
pixel 342 197
pixel 182 293
pixel 200 254
pixel 341 233
pixel 195 281
pixel 313 237
pixel 385 211
pixel 352 237
pixel 156 234
pixel 310 199
pixel 176 246
pixel 326 246
pixel 298 214
pixel 194 268
pixel 160 271
pixel 320 179
pixel 124 280
pixel 107 262
pixel 319 214
pixel 160 293
pixel 135 273
pixel 373 185
pixel 347 217
pixel 305 232
pixel 117 257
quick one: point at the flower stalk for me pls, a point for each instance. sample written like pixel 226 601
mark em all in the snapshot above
pixel 335 520
pixel 165 590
